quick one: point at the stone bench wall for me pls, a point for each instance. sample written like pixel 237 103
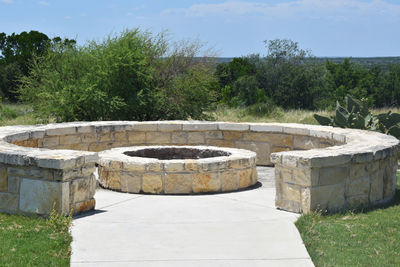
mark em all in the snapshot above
pixel 317 167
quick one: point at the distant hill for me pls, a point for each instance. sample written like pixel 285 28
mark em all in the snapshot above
pixel 366 62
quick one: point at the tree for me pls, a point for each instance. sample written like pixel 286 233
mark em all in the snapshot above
pixel 131 76
pixel 16 53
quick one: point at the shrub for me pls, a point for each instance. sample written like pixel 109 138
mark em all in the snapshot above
pixel 125 77
pixel 355 114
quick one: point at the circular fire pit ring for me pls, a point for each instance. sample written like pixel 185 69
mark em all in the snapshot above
pixel 177 169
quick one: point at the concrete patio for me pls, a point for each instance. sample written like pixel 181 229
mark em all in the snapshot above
pixel 230 229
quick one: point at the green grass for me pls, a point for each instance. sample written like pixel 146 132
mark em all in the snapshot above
pixel 224 113
pixel 18 114
pixel 367 238
pixel 28 241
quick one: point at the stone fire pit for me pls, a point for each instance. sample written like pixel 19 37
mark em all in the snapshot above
pixel 177 169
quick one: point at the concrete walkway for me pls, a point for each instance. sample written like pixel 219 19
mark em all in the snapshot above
pixel 231 229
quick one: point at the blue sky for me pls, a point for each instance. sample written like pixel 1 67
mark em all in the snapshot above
pixel 358 28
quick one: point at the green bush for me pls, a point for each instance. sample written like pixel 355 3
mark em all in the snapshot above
pixel 355 114
pixel 125 77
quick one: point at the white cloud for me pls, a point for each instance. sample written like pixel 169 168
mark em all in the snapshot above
pixel 7 1
pixel 44 3
pixel 300 8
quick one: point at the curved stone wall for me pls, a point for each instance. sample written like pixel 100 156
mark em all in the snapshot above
pixel 317 167
pixel 234 171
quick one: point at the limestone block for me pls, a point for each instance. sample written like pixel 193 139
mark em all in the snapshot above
pixel 37 196
pixel 330 160
pixel 61 131
pixel 152 183
pixel 200 126
pixel 254 176
pixel 92 185
pixel 145 126
pixel 169 126
pixel 293 206
pixel 265 128
pixel 304 142
pixel 135 166
pixel 358 171
pixel 361 157
pixel 115 165
pixel 131 182
pixel 120 137
pixel 86 129
pixel 196 138
pixel 110 179
pixel 233 126
pixel 206 182
pixel 245 178
pixel 179 138
pixel 262 150
pixel 229 181
pixel 158 137
pixel 177 183
pixel 135 138
pixel 376 192
pixel 332 175
pixel 3 179
pixel 339 138
pixel 56 162
pixel 104 137
pixel 255 136
pixel 70 139
pixel 389 184
pixel 328 197
pixel 64 174
pixel 289 160
pixel 213 135
pixel 174 166
pixel 50 141
pixel 8 202
pixel 285 174
pixel 88 169
pixel 88 138
pixel 372 166
pixel 305 195
pixel 221 143
pixel 299 129
pixel 31 143
pixel 83 206
pixel 209 165
pixel 281 140
pixel 232 135
pixel 80 146
pixel 155 167
pixel 13 184
pixel 357 187
pixel 97 147
pixel 191 165
pixel 357 201
pixel 305 176
pixel 291 192
pixel 321 134
pixel 79 190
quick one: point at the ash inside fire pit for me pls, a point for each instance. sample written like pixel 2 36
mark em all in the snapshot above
pixel 170 153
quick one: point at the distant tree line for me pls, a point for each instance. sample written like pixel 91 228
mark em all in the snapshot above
pixel 292 78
